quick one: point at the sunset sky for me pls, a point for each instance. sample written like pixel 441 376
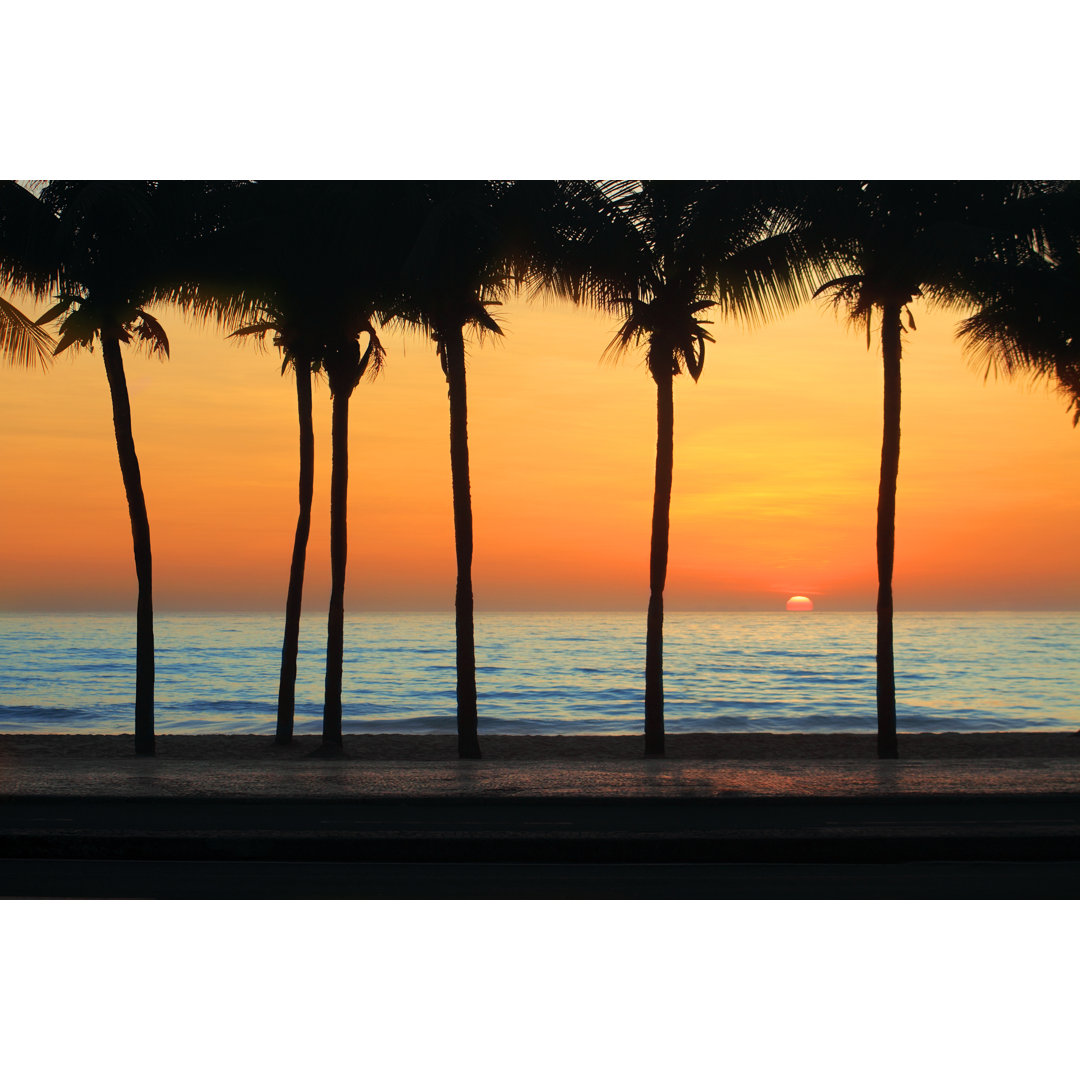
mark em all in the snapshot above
pixel 774 490
pixel 775 487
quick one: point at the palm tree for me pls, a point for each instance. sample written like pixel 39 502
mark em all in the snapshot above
pixel 664 253
pixel 304 369
pixel 460 262
pixel 244 277
pixel 301 260
pixel 900 242
pixel 299 358
pixel 345 367
pixel 100 249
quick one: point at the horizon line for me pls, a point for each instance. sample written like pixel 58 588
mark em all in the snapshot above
pixel 449 611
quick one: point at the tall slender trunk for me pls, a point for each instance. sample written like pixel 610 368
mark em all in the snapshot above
pixel 291 643
pixel 658 556
pixel 468 737
pixel 335 630
pixel 140 535
pixel 886 531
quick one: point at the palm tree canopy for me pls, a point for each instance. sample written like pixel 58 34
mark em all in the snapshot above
pixel 455 260
pixel 1032 328
pixel 1028 320
pixel 900 240
pixel 469 245
pixel 28 268
pixel 663 252
pixel 303 260
pixel 102 250
pixel 1027 317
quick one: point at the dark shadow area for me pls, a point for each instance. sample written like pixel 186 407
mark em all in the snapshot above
pixel 262 880
pixel 535 848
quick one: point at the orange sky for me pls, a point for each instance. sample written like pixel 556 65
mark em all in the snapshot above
pixel 776 460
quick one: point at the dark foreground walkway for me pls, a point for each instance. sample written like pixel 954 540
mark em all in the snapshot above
pixel 642 829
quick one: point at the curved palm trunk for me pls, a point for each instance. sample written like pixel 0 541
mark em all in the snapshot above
pixel 886 532
pixel 468 738
pixel 335 631
pixel 658 556
pixel 291 643
pixel 140 534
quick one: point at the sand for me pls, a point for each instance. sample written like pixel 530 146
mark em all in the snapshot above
pixel 702 747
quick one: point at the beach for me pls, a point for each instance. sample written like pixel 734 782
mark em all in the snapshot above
pixel 539 748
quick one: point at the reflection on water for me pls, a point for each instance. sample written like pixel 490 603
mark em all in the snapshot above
pixel 568 673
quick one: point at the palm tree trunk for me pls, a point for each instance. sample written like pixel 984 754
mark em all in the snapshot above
pixel 291 643
pixel 658 556
pixel 140 534
pixel 886 532
pixel 335 631
pixel 468 737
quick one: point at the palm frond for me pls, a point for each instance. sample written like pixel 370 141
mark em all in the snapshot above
pixel 56 310
pixel 850 293
pixel 258 331
pixel 224 304
pixel 23 342
pixel 374 354
pixel 588 250
pixel 695 362
pixel 79 327
pixel 69 337
pixel 634 328
pixel 1068 385
pixel 482 319
pixel 149 331
pixel 1028 325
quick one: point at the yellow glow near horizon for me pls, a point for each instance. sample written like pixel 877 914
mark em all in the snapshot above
pixel 775 482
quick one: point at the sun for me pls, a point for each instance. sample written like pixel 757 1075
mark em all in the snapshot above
pixel 800 603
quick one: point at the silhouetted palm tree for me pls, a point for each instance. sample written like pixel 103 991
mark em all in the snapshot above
pixel 345 367
pixel 677 250
pixel 100 249
pixel 243 277
pixel 298 358
pixel 462 259
pixel 302 260
pixel 303 372
pixel 903 241
pixel 335 351
pixel 248 278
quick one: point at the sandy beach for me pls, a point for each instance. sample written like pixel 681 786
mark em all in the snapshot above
pixel 517 748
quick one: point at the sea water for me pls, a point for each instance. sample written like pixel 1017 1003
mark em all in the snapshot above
pixel 564 673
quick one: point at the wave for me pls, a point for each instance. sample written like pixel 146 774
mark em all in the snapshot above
pixel 218 705
pixel 34 713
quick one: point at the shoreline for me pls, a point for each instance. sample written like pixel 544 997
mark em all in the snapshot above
pixel 495 748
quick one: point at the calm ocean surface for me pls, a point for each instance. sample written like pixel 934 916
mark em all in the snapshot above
pixel 567 673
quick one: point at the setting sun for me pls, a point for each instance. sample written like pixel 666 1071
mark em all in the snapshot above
pixel 800 603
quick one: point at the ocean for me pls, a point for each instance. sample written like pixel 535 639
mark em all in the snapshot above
pixel 550 673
